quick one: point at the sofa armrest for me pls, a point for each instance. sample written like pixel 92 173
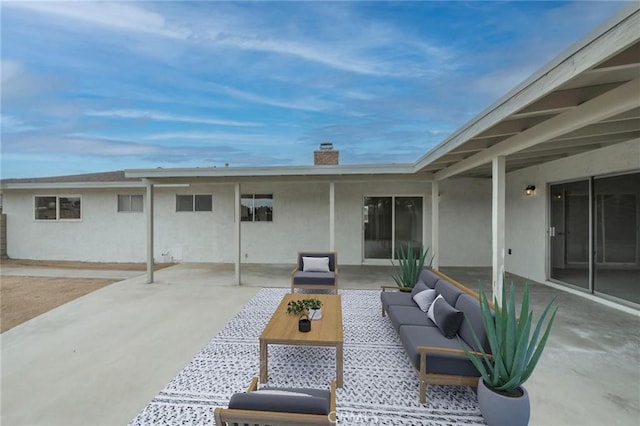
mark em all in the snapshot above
pixel 426 350
pixel 390 287
pixel 294 270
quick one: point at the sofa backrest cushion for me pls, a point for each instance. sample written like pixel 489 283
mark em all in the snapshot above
pixel 329 254
pixel 428 277
pixel 448 291
pixel 446 317
pixel 470 306
pixel 303 403
pixel 419 287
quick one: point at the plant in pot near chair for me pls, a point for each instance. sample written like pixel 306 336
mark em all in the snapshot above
pixel 410 265
pixel 515 351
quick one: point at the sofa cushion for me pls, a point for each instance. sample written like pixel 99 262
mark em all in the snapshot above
pixel 428 277
pixel 314 278
pixel 408 315
pixel 389 298
pixel 420 286
pixel 413 336
pixel 446 317
pixel 425 298
pixel 470 306
pixel 315 264
pixel 308 401
pixel 448 291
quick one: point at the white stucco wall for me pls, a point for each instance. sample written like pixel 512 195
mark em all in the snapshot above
pixel 102 234
pixel 465 222
pixel 300 222
pixel 527 217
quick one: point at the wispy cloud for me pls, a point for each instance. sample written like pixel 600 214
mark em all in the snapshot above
pixel 109 15
pixel 160 116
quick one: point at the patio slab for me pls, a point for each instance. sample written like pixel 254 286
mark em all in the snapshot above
pixel 101 358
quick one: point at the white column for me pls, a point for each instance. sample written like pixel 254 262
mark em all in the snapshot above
pixel 435 223
pixel 497 224
pixel 238 234
pixel 332 216
pixel 149 232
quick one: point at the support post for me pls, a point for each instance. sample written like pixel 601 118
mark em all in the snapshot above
pixel 332 216
pixel 498 224
pixel 435 223
pixel 149 232
pixel 238 233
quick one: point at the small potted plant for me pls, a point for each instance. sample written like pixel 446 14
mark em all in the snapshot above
pixel 311 307
pixel 514 355
pixel 410 266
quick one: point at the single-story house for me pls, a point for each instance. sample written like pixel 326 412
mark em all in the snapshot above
pixel 545 184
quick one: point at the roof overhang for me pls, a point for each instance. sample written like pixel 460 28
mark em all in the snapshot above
pixel 586 98
pixel 334 173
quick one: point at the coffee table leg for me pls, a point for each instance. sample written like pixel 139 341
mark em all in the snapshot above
pixel 264 358
pixel 339 363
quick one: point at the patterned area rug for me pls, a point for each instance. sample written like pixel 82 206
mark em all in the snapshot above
pixel 380 386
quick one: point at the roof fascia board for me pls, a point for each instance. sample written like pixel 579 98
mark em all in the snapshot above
pixel 616 34
pixel 616 101
pixel 71 185
pixel 229 172
pixel 227 180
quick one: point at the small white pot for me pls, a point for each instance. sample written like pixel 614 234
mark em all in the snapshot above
pixel 315 314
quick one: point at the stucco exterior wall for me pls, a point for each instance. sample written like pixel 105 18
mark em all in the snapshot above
pixel 300 222
pixel 527 218
pixel 102 234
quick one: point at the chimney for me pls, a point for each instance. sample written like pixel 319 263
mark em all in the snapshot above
pixel 326 155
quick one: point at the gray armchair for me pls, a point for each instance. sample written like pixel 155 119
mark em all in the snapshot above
pixel 316 270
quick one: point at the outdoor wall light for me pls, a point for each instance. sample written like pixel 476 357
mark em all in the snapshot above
pixel 529 190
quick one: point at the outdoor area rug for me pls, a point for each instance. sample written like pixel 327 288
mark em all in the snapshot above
pixel 380 385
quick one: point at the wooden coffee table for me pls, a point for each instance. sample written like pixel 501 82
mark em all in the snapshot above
pixel 282 329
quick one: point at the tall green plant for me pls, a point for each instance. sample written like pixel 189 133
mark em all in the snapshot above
pixel 514 350
pixel 410 265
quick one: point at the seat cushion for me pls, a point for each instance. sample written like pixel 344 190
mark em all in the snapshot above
pixel 413 336
pixel 314 278
pixel 288 400
pixel 408 315
pixel 389 298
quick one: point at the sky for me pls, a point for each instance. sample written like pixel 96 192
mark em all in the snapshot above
pixel 103 86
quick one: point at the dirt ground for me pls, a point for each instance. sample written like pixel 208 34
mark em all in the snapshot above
pixel 24 298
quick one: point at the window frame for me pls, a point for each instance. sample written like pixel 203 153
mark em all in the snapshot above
pixel 251 217
pixel 58 208
pixel 194 203
pixel 130 197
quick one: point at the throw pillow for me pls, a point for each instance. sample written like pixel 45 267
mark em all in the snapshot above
pixel 446 317
pixel 315 264
pixel 425 298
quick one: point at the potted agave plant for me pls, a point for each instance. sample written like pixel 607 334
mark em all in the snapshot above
pixel 410 265
pixel 515 351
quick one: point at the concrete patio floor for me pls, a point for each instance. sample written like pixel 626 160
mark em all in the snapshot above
pixel 100 359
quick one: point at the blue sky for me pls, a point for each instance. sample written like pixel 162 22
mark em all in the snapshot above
pixel 90 87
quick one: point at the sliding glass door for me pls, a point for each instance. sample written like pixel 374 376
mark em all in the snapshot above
pixel 391 223
pixel 595 235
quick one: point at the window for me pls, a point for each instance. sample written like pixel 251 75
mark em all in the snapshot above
pixel 130 203
pixel 53 207
pixel 256 208
pixel 194 203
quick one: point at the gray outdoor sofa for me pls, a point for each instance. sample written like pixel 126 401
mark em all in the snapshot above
pixel 436 358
